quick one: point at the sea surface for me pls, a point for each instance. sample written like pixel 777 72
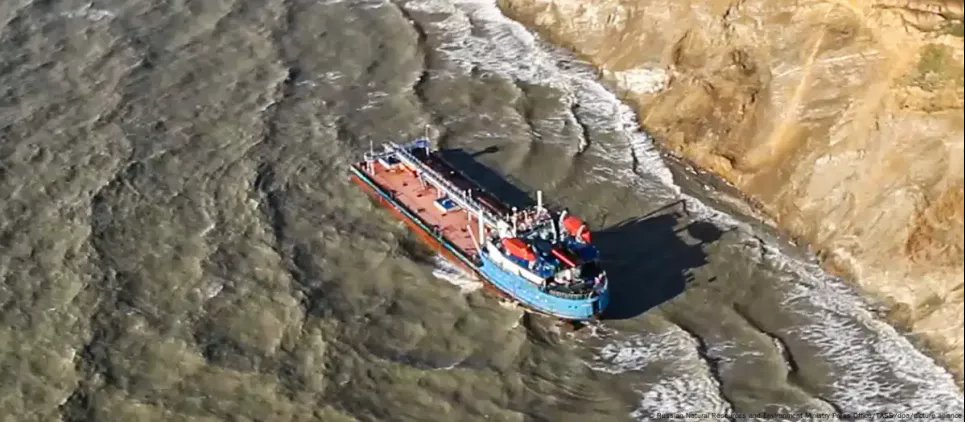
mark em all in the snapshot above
pixel 179 239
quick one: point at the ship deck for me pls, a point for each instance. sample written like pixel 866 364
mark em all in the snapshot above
pixel 420 199
pixel 454 232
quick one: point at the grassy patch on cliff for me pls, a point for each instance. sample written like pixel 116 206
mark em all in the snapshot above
pixel 937 69
pixel 955 27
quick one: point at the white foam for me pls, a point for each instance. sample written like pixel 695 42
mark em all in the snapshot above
pixel 88 12
pixel 636 352
pixel 685 380
pixel 504 47
pixel 212 289
pixel 445 270
pixel 876 368
pixel 374 100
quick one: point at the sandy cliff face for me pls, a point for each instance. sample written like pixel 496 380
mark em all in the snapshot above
pixel 842 119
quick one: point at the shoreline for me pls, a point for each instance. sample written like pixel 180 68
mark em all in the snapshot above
pixel 877 305
pixel 888 310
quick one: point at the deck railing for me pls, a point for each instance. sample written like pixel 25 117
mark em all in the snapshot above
pixel 451 190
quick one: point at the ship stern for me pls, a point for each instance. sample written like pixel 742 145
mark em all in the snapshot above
pixel 602 301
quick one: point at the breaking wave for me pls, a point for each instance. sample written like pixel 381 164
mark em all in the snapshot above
pixel 445 270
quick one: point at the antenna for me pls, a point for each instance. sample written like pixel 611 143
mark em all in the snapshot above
pixel 514 221
pixel 428 141
pixel 561 228
pixel 482 229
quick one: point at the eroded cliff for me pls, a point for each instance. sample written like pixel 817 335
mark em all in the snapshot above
pixel 843 120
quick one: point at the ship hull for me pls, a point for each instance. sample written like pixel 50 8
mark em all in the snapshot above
pixel 497 279
pixel 530 296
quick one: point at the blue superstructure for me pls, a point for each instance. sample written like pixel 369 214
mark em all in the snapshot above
pixel 530 295
pixel 546 268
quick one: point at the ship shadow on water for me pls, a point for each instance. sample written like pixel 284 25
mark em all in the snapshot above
pixel 486 177
pixel 649 259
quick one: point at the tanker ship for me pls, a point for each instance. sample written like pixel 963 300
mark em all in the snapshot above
pixel 541 258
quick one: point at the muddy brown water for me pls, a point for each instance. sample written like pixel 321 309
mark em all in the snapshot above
pixel 179 239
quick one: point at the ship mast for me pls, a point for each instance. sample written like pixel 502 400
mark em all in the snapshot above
pixel 370 158
pixel 428 140
pixel 559 228
pixel 482 231
pixel 514 221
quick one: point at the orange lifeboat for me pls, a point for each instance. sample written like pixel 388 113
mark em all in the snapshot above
pixel 576 228
pixel 518 248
